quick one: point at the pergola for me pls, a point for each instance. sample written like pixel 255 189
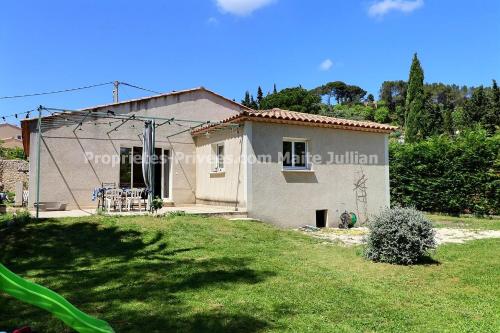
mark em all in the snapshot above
pixel 113 121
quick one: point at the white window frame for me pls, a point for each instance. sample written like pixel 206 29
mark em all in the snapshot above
pixel 293 166
pixel 218 159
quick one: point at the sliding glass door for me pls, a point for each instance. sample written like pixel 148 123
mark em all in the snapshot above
pixel 166 174
pixel 131 170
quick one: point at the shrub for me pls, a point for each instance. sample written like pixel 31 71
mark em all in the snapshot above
pixel 382 115
pixel 11 196
pixel 448 175
pixel 399 236
pixel 157 203
pixel 12 153
pixel 19 218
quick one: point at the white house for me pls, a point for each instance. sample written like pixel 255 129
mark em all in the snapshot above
pixel 284 167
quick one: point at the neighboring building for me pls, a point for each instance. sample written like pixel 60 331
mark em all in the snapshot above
pixel 284 167
pixel 10 136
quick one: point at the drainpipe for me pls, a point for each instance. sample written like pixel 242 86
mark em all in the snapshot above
pixel 151 167
pixel 38 140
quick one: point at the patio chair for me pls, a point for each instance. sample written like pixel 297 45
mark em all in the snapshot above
pixel 134 196
pixel 26 195
pixel 113 197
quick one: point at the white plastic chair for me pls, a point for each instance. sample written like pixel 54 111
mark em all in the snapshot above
pixel 26 194
pixel 113 197
pixel 134 196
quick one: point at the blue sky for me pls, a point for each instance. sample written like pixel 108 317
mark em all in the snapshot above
pixel 233 45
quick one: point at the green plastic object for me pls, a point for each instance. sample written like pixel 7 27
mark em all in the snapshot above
pixel 354 219
pixel 54 303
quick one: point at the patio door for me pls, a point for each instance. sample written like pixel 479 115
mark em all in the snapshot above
pixel 162 173
pixel 131 170
pixel 166 174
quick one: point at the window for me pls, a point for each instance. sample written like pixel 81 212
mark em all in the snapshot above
pixel 295 154
pixel 137 177
pixel 131 167
pixel 219 157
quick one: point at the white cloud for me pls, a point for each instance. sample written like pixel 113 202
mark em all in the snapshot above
pixel 241 7
pixel 380 8
pixel 326 65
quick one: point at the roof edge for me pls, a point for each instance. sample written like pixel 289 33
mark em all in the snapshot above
pixel 251 116
pixel 172 93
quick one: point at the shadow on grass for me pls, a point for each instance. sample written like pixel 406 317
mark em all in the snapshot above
pixel 136 283
pixel 428 261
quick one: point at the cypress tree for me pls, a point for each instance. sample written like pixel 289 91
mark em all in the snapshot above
pixel 274 89
pixel 253 103
pixel 246 100
pixel 415 119
pixel 491 118
pixel 260 96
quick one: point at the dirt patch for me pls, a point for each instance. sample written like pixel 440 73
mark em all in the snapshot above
pixel 348 237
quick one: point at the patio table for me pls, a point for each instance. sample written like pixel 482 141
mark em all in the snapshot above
pixel 100 192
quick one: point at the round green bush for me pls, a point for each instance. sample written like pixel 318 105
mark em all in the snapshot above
pixel 399 236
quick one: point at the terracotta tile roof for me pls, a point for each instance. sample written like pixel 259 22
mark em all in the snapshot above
pixel 299 118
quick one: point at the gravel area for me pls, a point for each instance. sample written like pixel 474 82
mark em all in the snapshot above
pixel 447 235
pixel 355 236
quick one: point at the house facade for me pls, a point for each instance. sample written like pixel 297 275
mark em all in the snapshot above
pixel 10 136
pixel 279 166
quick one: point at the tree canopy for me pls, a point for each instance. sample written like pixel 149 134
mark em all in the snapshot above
pixel 342 93
pixel 420 109
pixel 293 99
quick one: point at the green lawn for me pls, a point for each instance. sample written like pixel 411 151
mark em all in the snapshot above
pixel 466 222
pixel 193 274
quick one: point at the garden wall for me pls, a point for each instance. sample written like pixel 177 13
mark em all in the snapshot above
pixel 13 171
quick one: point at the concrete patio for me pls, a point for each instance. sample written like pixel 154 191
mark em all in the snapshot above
pixel 223 211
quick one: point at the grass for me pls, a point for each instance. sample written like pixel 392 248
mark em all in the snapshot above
pixel 193 274
pixel 465 222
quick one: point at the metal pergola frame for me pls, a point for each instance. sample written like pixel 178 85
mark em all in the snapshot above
pixel 65 117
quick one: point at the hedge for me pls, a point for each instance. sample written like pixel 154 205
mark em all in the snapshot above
pixel 449 175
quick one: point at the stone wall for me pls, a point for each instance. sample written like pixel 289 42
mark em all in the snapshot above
pixel 13 171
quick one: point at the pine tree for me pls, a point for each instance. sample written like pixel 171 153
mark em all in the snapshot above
pixel 260 96
pixel 274 89
pixel 415 119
